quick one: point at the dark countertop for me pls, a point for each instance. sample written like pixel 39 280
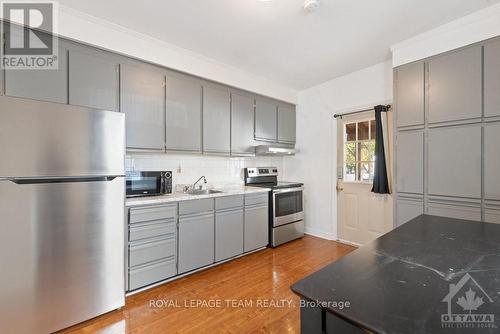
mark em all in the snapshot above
pixel 397 283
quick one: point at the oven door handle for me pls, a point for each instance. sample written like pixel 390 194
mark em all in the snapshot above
pixel 288 190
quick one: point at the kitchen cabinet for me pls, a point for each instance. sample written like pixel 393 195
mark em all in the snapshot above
pixel 93 79
pixel 196 234
pixel 242 125
pixel 286 124
pixel 455 210
pixel 492 78
pixel 455 84
pixel 216 120
pixel 152 245
pixel 229 227
pixel 407 209
pixel 410 94
pixel 492 161
pixel 256 221
pixel 184 97
pixel 143 102
pixel 266 118
pixel 410 162
pixel 43 85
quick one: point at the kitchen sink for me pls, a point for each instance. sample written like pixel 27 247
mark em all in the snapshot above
pixel 202 192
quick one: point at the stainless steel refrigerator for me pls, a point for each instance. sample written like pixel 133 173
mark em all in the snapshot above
pixel 61 214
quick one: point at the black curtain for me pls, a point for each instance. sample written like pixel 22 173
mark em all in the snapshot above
pixel 380 181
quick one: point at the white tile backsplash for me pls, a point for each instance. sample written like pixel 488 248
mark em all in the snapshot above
pixel 188 168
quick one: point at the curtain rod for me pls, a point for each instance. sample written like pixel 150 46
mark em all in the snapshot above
pixel 359 111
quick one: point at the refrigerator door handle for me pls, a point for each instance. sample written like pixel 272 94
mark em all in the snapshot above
pixel 62 180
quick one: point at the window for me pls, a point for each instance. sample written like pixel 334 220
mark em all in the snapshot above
pixel 359 151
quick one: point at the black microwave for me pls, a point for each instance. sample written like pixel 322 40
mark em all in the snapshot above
pixel 148 183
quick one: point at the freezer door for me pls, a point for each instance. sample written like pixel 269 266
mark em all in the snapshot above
pixel 43 139
pixel 61 253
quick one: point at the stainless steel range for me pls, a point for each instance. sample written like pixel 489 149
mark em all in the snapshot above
pixel 286 215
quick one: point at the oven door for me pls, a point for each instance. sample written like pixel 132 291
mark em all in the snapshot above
pixel 144 184
pixel 287 206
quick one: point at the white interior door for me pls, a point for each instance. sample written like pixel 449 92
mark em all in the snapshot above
pixel 362 215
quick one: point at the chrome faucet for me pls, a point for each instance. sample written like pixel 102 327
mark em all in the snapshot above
pixel 204 179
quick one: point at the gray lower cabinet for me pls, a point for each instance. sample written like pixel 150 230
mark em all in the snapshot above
pixel 492 78
pixel 453 209
pixel 229 227
pixel 409 82
pixel 242 125
pixel 256 222
pixel 492 214
pixel 196 234
pixel 492 161
pixel 93 79
pixel 152 245
pixel 286 124
pixel 407 209
pixel 216 120
pixel 455 83
pixel 184 126
pixel 143 102
pixel 266 118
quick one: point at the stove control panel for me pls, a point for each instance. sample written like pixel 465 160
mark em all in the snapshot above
pixel 261 171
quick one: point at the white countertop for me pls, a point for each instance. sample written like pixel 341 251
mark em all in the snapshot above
pixel 178 197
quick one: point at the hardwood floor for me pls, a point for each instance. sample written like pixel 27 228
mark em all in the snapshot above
pixel 256 279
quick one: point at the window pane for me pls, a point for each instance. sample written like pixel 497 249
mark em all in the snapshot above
pixel 366 170
pixel 367 151
pixel 373 130
pixel 363 131
pixel 350 161
pixel 350 132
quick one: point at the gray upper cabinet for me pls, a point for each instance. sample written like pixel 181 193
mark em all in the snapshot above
pixel 242 125
pixel 216 120
pixel 143 102
pixel 410 95
pixel 492 79
pixel 286 124
pixel 455 161
pixel 93 79
pixel 410 162
pixel 266 120
pixel 455 86
pixel 43 85
pixel 183 113
pixel 492 161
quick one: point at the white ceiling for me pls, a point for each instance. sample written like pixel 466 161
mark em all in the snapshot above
pixel 277 39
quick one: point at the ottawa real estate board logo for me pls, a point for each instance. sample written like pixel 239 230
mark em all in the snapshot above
pixel 468 304
pixel 29 28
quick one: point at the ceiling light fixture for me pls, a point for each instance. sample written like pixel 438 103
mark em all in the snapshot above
pixel 311 5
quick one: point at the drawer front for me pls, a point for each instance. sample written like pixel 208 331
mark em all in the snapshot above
pixel 153 229
pixel 196 206
pixel 255 199
pixel 150 213
pixel 142 253
pixel 229 202
pixel 152 273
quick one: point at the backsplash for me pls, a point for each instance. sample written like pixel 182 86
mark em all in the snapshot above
pixel 188 168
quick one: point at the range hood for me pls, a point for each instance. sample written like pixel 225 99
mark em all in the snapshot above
pixel 274 150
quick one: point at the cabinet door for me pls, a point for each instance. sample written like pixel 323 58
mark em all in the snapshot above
pixel 492 161
pixel 408 209
pixel 143 102
pixel 43 85
pixel 492 79
pixel 265 120
pixel 410 162
pixel 455 86
pixel 196 242
pixel 455 161
pixel 93 80
pixel 228 234
pixel 242 125
pixel 286 124
pixel 183 114
pixel 256 227
pixel 410 94
pixel 216 120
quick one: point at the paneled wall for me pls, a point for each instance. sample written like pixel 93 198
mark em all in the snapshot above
pixel 447 142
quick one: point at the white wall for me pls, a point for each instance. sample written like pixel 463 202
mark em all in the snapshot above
pixel 315 165
pixel 83 27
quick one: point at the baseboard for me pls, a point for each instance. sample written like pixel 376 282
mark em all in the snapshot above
pixel 320 234
pixel 355 244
